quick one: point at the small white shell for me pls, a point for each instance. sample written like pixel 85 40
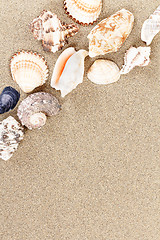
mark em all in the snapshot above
pixel 72 74
pixel 29 70
pixel 104 72
pixel 151 27
pixel 135 57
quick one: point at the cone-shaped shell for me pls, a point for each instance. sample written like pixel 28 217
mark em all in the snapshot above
pixel 33 110
pixel 29 70
pixel 110 33
pixel 103 72
pixel 84 12
pixel 151 27
pixel 72 74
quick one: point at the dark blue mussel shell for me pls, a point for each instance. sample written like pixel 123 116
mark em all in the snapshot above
pixel 8 99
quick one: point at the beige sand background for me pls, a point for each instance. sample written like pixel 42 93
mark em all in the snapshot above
pixel 93 171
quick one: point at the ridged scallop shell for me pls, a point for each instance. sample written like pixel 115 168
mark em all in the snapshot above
pixel 71 71
pixel 11 133
pixel 84 12
pixel 151 27
pixel 33 110
pixel 103 72
pixel 135 57
pixel 110 33
pixel 53 33
pixel 29 70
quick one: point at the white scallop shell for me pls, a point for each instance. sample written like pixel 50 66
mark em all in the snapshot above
pixel 84 12
pixel 72 74
pixel 103 72
pixel 29 70
pixel 151 27
pixel 135 57
pixel 110 33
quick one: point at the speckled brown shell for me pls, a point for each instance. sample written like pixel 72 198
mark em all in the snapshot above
pixel 36 103
pixel 11 133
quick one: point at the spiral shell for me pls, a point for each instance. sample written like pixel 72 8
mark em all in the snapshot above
pixel 135 57
pixel 151 27
pixel 33 110
pixel 29 70
pixel 69 70
pixel 53 33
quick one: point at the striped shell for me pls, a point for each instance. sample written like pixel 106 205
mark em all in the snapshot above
pixel 29 70
pixel 84 12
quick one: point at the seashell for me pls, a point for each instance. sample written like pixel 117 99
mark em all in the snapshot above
pixel 54 34
pixel 110 33
pixel 32 110
pixel 69 71
pixel 103 72
pixel 8 99
pixel 11 133
pixel 84 12
pixel 151 27
pixel 60 64
pixel 29 70
pixel 135 57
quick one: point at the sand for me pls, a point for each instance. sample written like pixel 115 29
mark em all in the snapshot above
pixel 93 171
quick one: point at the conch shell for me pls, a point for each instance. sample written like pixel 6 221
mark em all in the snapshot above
pixel 151 27
pixel 135 57
pixel 84 12
pixel 110 33
pixel 29 70
pixel 32 110
pixel 69 70
pixel 48 28
pixel 11 133
pixel 103 72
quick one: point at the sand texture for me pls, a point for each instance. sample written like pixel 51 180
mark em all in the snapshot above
pixel 93 171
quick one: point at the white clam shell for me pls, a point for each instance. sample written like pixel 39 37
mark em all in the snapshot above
pixel 29 70
pixel 84 12
pixel 135 57
pixel 151 27
pixel 72 74
pixel 104 72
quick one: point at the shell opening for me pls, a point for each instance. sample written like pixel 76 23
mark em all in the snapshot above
pixel 37 120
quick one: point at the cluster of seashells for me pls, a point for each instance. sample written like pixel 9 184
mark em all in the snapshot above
pixel 29 69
